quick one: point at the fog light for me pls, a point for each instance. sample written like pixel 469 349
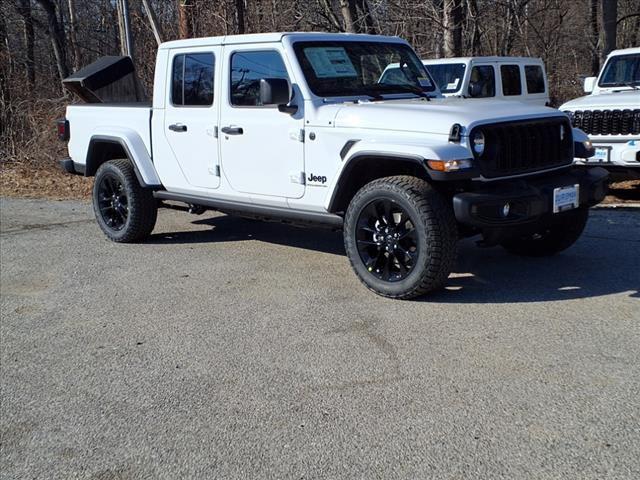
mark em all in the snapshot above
pixel 505 209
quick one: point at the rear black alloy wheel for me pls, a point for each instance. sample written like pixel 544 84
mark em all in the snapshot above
pixel 387 240
pixel 125 211
pixel 400 236
pixel 113 202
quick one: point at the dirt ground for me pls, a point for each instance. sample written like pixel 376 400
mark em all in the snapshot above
pixel 51 183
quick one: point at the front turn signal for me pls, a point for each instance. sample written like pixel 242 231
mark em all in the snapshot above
pixel 449 165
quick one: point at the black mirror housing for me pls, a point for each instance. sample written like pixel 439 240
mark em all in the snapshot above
pixel 475 89
pixel 275 91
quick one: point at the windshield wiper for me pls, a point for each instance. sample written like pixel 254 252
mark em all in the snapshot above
pixel 393 88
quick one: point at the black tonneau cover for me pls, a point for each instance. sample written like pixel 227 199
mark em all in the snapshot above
pixel 107 80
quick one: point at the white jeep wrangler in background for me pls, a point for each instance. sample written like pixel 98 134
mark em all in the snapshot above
pixel 610 114
pixel 298 127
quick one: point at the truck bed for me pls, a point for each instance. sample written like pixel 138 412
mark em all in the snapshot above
pixel 86 120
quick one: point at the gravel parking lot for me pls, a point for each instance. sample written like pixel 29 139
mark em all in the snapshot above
pixel 229 348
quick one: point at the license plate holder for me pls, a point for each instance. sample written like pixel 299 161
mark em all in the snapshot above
pixel 602 155
pixel 566 198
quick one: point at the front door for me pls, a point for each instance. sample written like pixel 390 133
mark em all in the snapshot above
pixel 190 117
pixel 262 149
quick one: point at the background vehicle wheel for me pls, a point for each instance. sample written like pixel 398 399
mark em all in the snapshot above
pixel 561 232
pixel 125 211
pixel 400 236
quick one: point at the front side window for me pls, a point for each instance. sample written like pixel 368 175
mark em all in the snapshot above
pixel 448 76
pixel 621 71
pixel 192 79
pixel 483 82
pixel 511 84
pixel 247 68
pixel 343 68
pixel 535 78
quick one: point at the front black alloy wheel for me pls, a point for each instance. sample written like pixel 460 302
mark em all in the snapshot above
pixel 387 240
pixel 125 211
pixel 400 236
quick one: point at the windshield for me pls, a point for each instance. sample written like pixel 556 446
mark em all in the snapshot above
pixel 621 71
pixel 340 69
pixel 448 76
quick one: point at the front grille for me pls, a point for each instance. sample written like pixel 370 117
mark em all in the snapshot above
pixel 607 122
pixel 513 148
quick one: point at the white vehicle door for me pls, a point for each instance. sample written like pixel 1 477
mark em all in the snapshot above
pixel 536 84
pixel 190 116
pixel 262 149
pixel 481 81
pixel 511 81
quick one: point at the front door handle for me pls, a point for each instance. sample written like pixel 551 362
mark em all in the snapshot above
pixel 232 130
pixel 178 127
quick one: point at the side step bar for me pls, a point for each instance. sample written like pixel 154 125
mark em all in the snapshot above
pixel 261 212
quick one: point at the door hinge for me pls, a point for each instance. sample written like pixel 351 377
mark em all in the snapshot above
pixel 215 171
pixel 297 135
pixel 215 133
pixel 297 178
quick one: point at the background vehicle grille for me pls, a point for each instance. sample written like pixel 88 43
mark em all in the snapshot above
pixel 607 122
pixel 521 147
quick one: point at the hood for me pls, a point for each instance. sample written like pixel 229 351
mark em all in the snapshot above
pixel 436 116
pixel 613 100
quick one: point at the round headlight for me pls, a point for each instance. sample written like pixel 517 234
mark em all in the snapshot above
pixel 477 141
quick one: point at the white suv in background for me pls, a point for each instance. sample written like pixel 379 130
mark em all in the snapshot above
pixel 610 114
pixel 509 78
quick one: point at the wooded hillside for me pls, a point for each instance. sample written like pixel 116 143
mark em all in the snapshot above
pixel 43 41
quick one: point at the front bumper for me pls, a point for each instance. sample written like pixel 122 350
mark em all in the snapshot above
pixel 528 200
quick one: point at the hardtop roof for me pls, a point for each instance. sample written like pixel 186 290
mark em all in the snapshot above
pixel 272 38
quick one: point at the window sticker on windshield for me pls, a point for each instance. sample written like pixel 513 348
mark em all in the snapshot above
pixel 330 62
pixel 424 82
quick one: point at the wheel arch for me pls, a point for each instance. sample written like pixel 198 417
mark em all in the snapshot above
pixel 103 147
pixel 364 167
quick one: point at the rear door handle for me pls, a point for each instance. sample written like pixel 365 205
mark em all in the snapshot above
pixel 178 127
pixel 232 130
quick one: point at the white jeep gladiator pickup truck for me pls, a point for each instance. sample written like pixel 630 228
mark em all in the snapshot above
pixel 610 114
pixel 297 127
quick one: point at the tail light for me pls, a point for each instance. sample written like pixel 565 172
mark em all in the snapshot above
pixel 63 129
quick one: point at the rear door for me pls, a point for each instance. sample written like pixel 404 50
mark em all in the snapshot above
pixel 511 81
pixel 536 84
pixel 190 117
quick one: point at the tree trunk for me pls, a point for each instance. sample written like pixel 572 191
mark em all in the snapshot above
pixel 24 9
pixel 185 25
pixel 609 25
pixel 347 9
pixel 240 16
pixel 73 29
pixel 452 21
pixel 595 36
pixel 153 21
pixel 57 37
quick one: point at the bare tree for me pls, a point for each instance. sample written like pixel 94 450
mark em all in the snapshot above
pixel 57 37
pixel 24 9
pixel 609 25
pixel 452 21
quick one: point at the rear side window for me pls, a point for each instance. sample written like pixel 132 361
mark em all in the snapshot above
pixel 511 83
pixel 483 82
pixel 535 78
pixel 192 79
pixel 247 68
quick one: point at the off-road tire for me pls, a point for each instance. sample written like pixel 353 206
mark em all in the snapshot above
pixel 435 225
pixel 559 233
pixel 141 207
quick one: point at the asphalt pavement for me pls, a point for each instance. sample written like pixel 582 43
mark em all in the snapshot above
pixel 231 348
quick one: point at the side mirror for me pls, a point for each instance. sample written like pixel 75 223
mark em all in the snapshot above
pixel 276 91
pixel 475 89
pixel 589 84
